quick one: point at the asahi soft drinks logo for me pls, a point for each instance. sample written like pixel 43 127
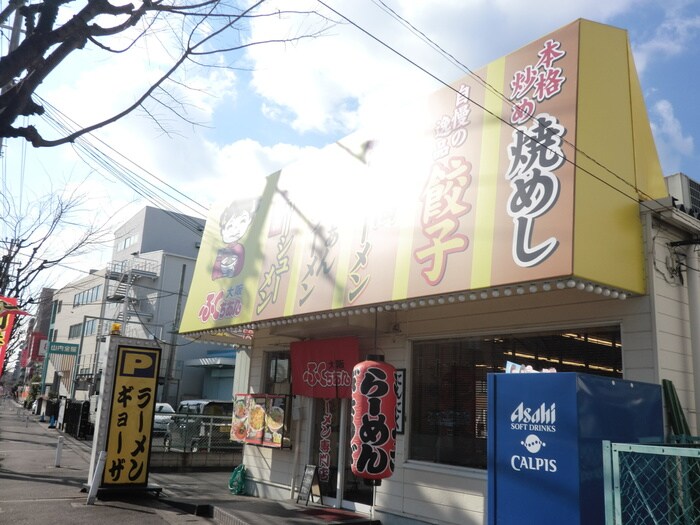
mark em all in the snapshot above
pixel 540 418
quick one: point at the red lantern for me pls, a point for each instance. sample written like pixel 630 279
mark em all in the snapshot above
pixel 373 442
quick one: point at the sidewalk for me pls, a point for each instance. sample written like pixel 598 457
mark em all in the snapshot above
pixel 33 490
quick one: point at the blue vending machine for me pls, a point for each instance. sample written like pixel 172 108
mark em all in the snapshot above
pixel 545 433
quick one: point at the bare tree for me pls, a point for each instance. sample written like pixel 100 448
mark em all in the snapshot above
pixel 203 29
pixel 31 247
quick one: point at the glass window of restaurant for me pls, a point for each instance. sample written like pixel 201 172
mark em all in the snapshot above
pixel 278 373
pixel 448 390
pixel 277 385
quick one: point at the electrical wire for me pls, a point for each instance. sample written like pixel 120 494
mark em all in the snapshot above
pixel 79 287
pixel 500 118
pixel 151 191
pixel 139 181
pixel 166 293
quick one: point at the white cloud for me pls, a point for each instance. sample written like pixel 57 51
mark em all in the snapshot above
pixel 345 80
pixel 241 167
pixel 672 143
pixel 673 36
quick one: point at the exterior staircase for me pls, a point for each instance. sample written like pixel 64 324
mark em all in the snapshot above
pixel 123 276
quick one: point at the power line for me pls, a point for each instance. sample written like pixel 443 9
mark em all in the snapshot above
pixel 498 117
pixel 104 164
pixel 73 286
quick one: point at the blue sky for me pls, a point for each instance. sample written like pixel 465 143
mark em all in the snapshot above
pixel 282 101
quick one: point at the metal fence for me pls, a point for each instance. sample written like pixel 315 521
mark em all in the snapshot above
pixel 76 419
pixel 195 433
pixel 651 484
pixel 193 441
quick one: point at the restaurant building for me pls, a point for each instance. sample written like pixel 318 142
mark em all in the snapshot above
pixel 519 215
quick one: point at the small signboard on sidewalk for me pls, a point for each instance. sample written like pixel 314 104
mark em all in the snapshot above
pixel 310 487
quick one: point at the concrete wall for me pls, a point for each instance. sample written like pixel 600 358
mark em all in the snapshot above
pixel 71 315
pixel 671 325
pixel 154 229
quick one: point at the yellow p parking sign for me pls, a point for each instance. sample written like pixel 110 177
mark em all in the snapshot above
pixel 138 363
pixel 131 416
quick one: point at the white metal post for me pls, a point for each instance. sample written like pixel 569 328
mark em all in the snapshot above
pixel 342 446
pixel 96 477
pixel 59 449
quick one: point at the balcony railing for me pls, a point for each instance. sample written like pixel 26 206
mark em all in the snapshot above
pixel 137 267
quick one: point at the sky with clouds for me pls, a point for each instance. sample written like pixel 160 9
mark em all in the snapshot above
pixel 267 105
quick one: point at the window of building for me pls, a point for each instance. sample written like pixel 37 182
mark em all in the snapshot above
pixel 90 327
pixel 278 373
pixel 75 330
pixel 448 384
pixel 87 296
pixel 126 242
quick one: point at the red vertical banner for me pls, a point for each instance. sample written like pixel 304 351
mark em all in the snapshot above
pixel 8 310
pixel 324 452
pixel 373 442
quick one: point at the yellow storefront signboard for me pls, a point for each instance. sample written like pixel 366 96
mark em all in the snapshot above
pixel 534 174
pixel 131 416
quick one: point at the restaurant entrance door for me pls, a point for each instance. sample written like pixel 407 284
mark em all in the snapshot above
pixel 331 447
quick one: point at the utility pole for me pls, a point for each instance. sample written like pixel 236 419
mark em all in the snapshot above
pixel 16 26
pixel 173 337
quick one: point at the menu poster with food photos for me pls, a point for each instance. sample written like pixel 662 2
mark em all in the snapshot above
pixel 274 421
pixel 239 425
pixel 259 419
pixel 256 419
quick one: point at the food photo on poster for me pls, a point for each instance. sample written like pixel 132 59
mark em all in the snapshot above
pixel 274 422
pixel 260 419
pixel 239 423
pixel 256 420
pixel 517 368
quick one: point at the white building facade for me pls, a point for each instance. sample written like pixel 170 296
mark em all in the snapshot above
pixel 141 294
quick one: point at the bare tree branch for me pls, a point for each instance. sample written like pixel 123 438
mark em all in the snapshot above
pixel 32 249
pixel 206 28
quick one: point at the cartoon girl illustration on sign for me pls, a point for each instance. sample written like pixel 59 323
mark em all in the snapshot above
pixel 234 224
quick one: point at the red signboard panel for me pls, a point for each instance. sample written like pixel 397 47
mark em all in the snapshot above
pixel 323 368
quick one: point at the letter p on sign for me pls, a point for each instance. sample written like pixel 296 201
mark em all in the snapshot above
pixel 137 363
